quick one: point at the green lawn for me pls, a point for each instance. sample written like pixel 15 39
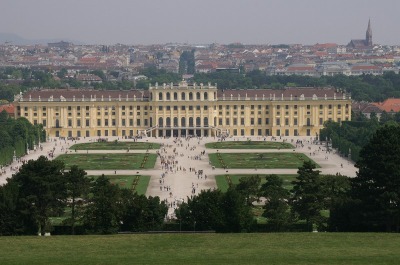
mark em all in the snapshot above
pixel 223 180
pixel 115 146
pixel 253 160
pixel 249 145
pixel 109 161
pixel 256 248
pixel 137 183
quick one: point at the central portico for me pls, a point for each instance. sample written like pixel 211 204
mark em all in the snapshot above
pixel 183 110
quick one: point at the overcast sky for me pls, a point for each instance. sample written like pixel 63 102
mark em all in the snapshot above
pixel 202 21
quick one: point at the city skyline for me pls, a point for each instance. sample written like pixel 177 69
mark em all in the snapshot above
pixel 194 22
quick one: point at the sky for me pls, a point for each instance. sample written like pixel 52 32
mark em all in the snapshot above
pixel 202 21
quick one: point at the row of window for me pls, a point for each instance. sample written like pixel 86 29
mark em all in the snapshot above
pixel 183 96
pixel 235 132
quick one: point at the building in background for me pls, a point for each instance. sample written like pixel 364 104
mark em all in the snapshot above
pixel 182 110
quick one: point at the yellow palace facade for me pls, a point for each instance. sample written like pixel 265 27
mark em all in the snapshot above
pixel 183 110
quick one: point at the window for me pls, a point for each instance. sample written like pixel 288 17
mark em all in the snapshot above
pixel 252 121
pixel 168 96
pixel 175 107
pixel 308 106
pixel 160 108
pixel 198 95
pixel 205 96
pixel 88 108
pixel 183 96
pixel 286 106
pixel 286 121
pixel 295 106
pixel 138 122
pixel 190 96
pixel 252 107
pixel 175 96
pixel 197 107
pixel 278 107
pixel 69 108
pixel 130 122
pixel 87 122
pixel 205 107
pixel 98 122
pixel 266 120
pixel 113 122
pixel 259 121
pixel 234 121
pixel 220 121
pixel 69 123
pixel 106 122
pixel 160 96
pixel 44 108
pixel 278 121
pixel 78 108
pixel 321 106
pixel 44 122
pixel 183 108
pixel 78 123
pixel 168 107
pixel 241 121
pixel 321 121
pixel 295 121
pixel 242 107
pixel 190 107
pixel 227 121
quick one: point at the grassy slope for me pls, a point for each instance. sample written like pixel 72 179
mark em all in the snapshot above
pixel 287 248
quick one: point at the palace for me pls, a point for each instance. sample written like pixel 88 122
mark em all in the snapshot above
pixel 182 110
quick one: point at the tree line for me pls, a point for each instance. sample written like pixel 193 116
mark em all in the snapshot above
pixel 363 88
pixel 368 202
pixel 43 189
pixel 17 135
pixel 348 137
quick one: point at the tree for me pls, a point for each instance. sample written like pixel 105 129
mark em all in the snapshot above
pixel 141 213
pixel 77 191
pixel 102 212
pixel 42 191
pixel 249 187
pixel 377 185
pixel 308 199
pixel 276 206
pixel 237 213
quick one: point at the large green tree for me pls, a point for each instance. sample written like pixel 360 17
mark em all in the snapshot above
pixel 41 190
pixel 308 197
pixel 77 185
pixel 276 203
pixel 377 185
pixel 102 215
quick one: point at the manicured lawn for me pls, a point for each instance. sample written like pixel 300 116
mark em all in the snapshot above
pixel 249 145
pixel 109 161
pixel 256 248
pixel 254 160
pixel 137 183
pixel 223 180
pixel 115 146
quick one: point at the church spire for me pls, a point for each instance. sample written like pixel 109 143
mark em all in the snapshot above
pixel 368 37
